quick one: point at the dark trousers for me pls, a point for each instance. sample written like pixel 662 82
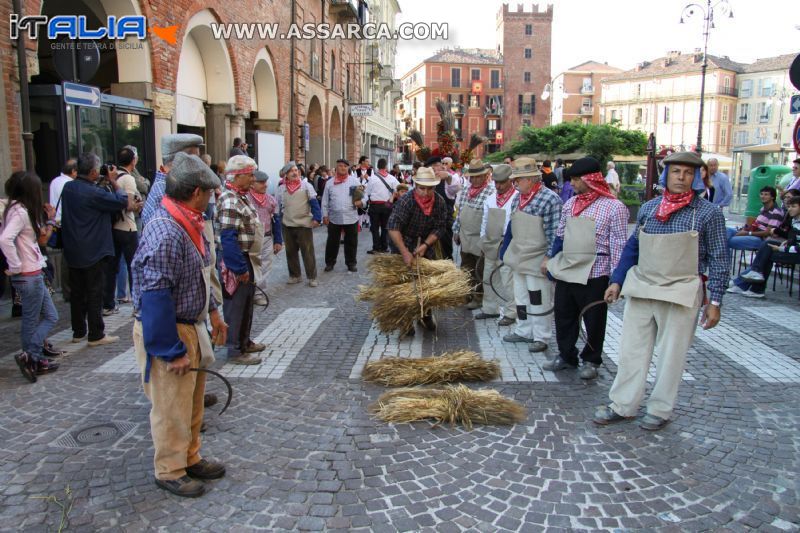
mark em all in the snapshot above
pixel 125 243
pixel 297 240
pixel 64 276
pixel 569 299
pixel 238 312
pixel 350 243
pixel 474 265
pixel 763 261
pixel 86 300
pixel 378 219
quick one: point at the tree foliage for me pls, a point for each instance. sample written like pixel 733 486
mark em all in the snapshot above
pixel 600 141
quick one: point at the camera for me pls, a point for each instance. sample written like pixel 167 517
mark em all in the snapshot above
pixel 104 169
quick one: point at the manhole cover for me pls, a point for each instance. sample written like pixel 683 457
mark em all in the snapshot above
pixel 96 435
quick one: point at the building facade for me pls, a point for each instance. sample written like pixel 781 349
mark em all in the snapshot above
pixel 576 93
pixel 663 96
pixel 288 97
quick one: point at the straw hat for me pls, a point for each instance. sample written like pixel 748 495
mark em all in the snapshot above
pixel 525 167
pixel 476 168
pixel 426 177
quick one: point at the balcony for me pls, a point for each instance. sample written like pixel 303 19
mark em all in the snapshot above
pixel 728 91
pixel 742 120
pixel 587 110
pixel 345 10
pixel 491 133
pixel 587 89
pixel 457 108
pixel 490 112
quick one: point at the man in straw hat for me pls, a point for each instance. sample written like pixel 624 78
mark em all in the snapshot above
pixel 300 214
pixel 340 202
pixel 678 237
pixel 589 241
pixel 172 299
pixel 496 216
pixel 266 207
pixel 241 235
pixel 419 219
pixel 467 227
pixel 534 220
pixel 170 145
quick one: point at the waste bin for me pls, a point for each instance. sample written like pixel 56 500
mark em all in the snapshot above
pixel 760 177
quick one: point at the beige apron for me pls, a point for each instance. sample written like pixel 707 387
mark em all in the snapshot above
pixel 525 253
pixel 667 269
pixel 216 288
pixel 296 209
pixel 574 263
pixel 255 253
pixel 470 233
pixel 495 227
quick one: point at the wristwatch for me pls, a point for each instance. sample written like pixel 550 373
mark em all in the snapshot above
pixel 713 302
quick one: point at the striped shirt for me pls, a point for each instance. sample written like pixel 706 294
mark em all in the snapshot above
pixel 475 203
pixel 768 218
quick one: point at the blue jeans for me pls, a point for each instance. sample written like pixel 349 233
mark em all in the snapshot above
pixel 39 315
pixel 743 242
pixel 122 279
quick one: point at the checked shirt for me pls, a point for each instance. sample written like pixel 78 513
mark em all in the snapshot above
pixel 545 204
pixel 234 212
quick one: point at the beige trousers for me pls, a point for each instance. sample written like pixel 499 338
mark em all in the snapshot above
pixel 177 406
pixel 648 324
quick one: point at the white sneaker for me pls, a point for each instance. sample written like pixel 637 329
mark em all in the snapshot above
pixel 751 294
pixel 735 289
pixel 313 283
pixel 108 339
pixel 753 276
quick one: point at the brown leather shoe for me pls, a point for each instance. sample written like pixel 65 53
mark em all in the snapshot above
pixel 252 347
pixel 244 360
pixel 206 470
pixel 209 400
pixel 184 487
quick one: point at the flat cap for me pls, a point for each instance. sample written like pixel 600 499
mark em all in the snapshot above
pixel 525 167
pixel 501 172
pixel 581 167
pixel 433 160
pixel 178 142
pixel 260 175
pixel 286 168
pixel 190 170
pixel 684 158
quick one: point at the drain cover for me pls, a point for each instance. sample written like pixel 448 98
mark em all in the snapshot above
pixel 96 435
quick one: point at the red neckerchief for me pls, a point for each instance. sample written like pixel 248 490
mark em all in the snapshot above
pixel 383 173
pixel 231 187
pixel 525 199
pixel 670 203
pixel 191 220
pixel 425 204
pixel 597 187
pixel 260 199
pixel 337 180
pixel 503 198
pixel 472 192
pixel 292 185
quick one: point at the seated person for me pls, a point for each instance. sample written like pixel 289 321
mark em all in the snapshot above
pixel 752 282
pixel 750 237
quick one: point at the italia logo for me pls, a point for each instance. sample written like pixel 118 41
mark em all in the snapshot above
pixel 76 28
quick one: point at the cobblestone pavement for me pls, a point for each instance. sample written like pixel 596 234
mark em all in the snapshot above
pixel 303 453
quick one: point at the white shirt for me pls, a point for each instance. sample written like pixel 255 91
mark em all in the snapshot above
pixel 376 191
pixel 491 203
pixel 56 187
pixel 452 189
pixel 612 179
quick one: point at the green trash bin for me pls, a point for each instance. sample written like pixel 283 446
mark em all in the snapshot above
pixel 760 177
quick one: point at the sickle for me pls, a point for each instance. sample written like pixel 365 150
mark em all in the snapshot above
pixel 491 281
pixel 224 380
pixel 581 331
pixel 263 292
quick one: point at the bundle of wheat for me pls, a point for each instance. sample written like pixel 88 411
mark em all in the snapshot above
pixel 460 365
pixel 455 404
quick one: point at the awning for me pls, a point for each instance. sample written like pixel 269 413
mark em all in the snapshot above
pixel 772 148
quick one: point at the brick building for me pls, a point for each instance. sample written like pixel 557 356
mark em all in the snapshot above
pixel 576 93
pixel 220 88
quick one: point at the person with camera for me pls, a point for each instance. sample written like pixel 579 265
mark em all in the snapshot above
pixel 88 243
pixel 124 234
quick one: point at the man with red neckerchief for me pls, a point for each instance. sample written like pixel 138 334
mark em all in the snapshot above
pixel 535 214
pixel 589 241
pixel 678 238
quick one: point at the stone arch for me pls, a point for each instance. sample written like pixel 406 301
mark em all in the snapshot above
pixel 335 135
pixel 351 140
pixel 316 127
pixel 264 90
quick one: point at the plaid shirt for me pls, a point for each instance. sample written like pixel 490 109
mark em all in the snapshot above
pixel 475 203
pixel 153 202
pixel 412 223
pixel 611 231
pixel 700 215
pixel 234 212
pixel 545 204
pixel 167 259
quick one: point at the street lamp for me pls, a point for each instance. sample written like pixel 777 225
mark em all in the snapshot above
pixel 547 92
pixel 723 7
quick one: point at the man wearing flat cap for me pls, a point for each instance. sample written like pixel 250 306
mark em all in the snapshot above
pixel 496 216
pixel 678 238
pixel 467 227
pixel 589 241
pixel 300 213
pixel 534 220
pixel 172 299
pixel 170 145
pixel 241 235
pixel 266 207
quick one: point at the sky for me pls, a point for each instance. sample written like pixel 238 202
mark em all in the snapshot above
pixel 620 32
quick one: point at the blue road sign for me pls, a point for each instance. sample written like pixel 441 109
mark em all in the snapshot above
pixel 794 106
pixel 78 94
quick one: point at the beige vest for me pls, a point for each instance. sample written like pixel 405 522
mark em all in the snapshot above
pixel 574 263
pixel 667 269
pixel 255 253
pixel 296 209
pixel 470 233
pixel 493 238
pixel 525 253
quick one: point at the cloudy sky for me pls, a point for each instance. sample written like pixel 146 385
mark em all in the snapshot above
pixel 621 32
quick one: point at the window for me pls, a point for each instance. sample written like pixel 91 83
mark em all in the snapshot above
pixel 414 107
pixel 455 77
pixel 526 108
pixel 723 137
pixel 527 77
pixel 725 112
pixel 740 138
pixel 528 53
pixel 638 90
pixel 476 74
pixel 744 112
pixel 495 82
pixel 638 117
pixel 746 89
pixel 333 72
pixel 614 115
pixel 347 89
pixel 766 87
pixel 666 115
pixel 764 112
pixel 526 122
pixel 475 100
pixel 528 29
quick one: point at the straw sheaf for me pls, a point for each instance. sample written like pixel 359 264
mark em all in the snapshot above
pixel 460 365
pixel 391 270
pixel 455 404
